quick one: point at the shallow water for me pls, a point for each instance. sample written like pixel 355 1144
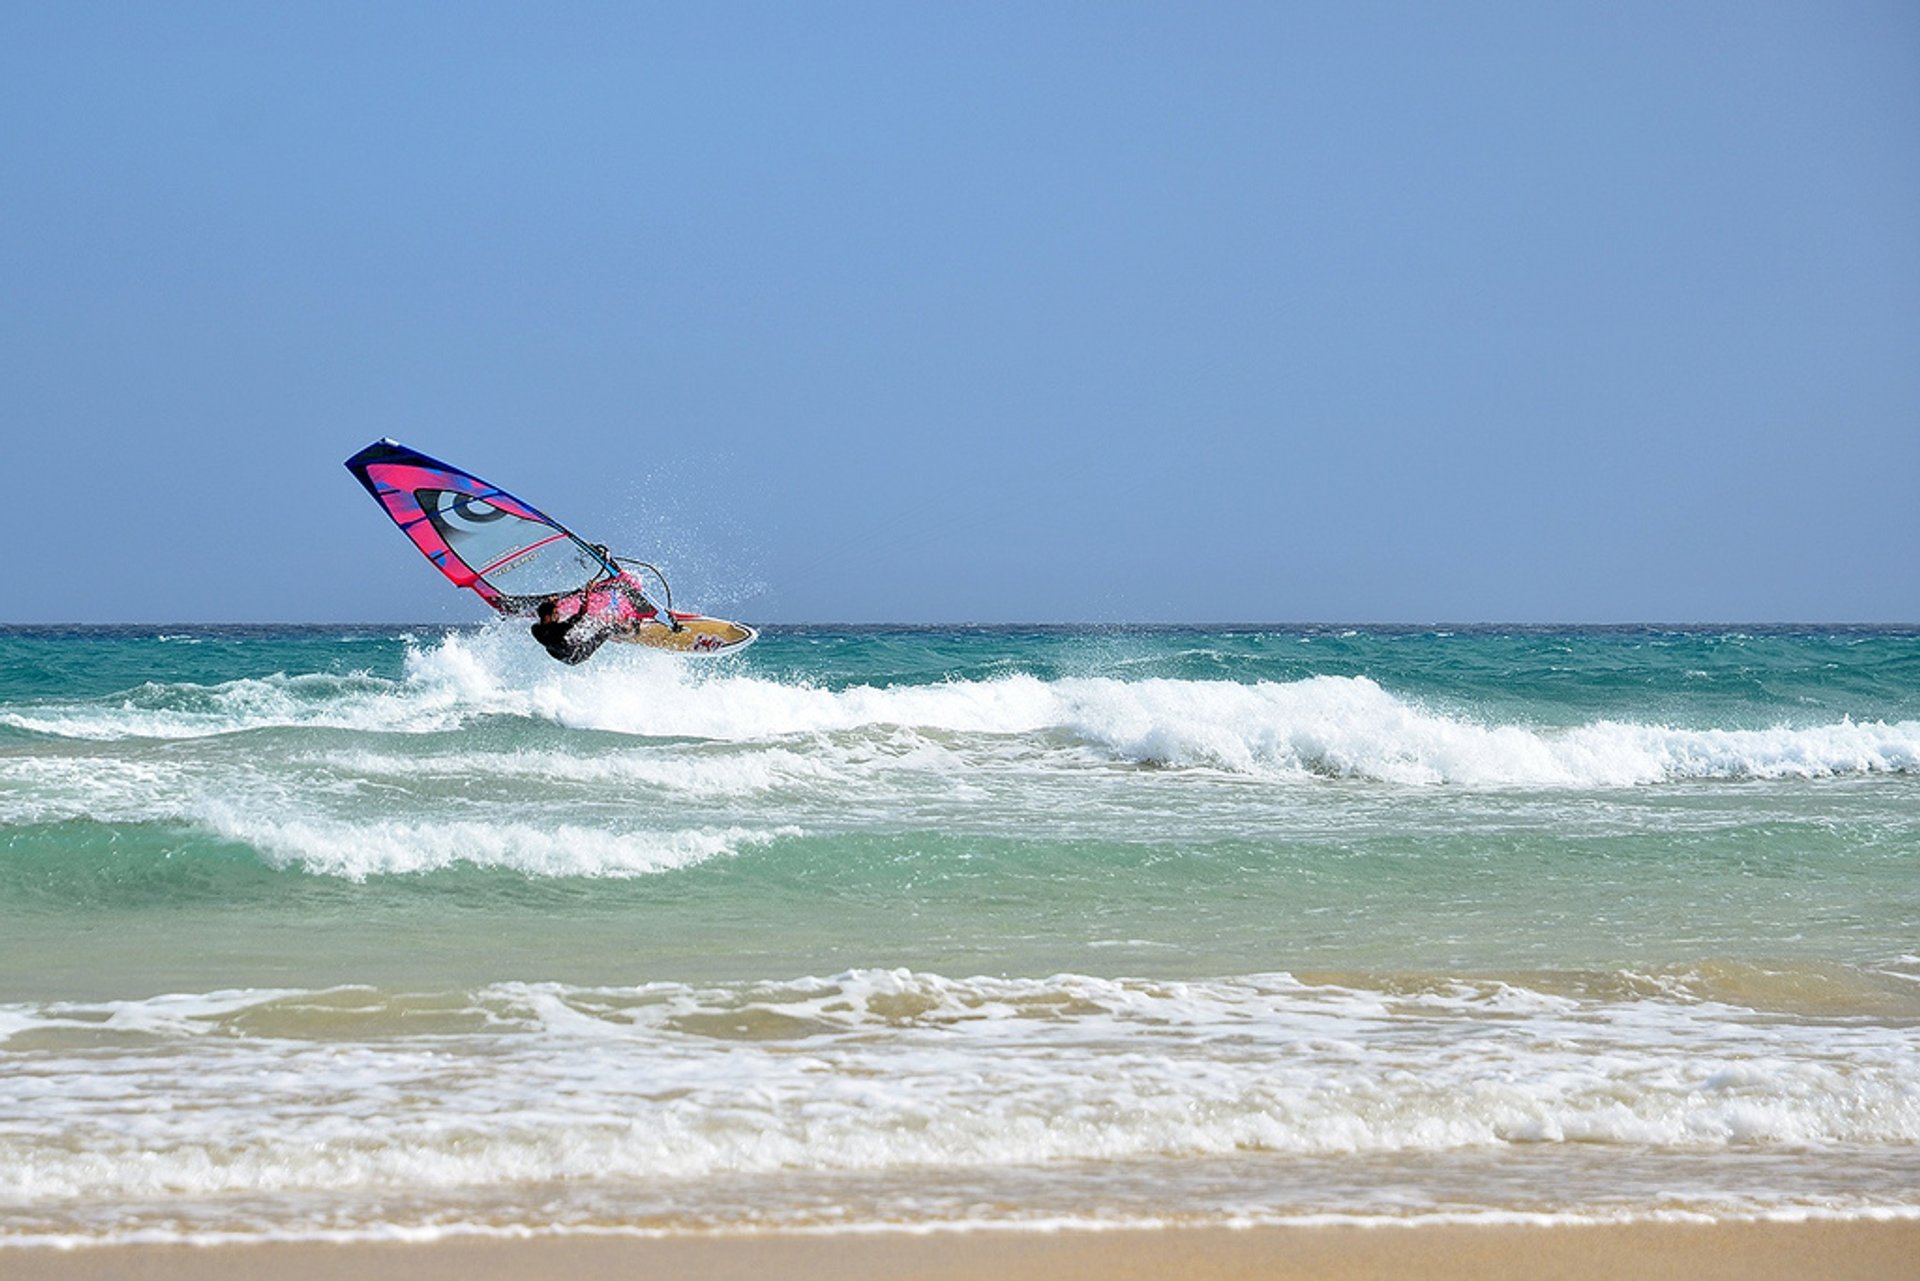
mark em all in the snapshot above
pixel 356 932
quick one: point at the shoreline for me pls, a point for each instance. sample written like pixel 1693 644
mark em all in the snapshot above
pixel 1863 1249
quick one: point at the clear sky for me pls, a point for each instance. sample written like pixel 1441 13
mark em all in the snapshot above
pixel 973 311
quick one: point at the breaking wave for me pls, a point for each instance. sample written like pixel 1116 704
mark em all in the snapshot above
pixel 895 1070
pixel 1345 727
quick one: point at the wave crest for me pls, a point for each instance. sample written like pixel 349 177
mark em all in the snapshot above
pixel 1345 727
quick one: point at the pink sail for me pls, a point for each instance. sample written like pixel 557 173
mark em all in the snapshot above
pixel 507 552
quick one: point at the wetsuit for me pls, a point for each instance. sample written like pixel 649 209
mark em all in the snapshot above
pixel 569 642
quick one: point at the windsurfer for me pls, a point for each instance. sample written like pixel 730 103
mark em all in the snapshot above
pixel 574 639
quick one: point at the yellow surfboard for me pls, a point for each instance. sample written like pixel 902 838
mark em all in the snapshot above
pixel 696 634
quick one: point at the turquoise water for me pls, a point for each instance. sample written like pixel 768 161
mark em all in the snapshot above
pixel 357 931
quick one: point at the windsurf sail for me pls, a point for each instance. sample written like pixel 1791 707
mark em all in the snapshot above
pixel 507 552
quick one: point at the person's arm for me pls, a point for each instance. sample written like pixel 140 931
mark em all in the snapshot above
pixel 581 650
pixel 660 613
pixel 634 594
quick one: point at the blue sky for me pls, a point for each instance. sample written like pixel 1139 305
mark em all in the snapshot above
pixel 981 312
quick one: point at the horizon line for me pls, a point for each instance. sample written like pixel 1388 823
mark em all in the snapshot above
pixel 1212 625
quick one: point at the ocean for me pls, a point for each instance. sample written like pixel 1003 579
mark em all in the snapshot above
pixel 370 932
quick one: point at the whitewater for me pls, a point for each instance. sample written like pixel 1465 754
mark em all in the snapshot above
pixel 361 933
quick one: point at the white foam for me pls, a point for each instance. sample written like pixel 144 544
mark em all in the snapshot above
pixel 157 711
pixel 359 849
pixel 324 823
pixel 199 1105
pixel 1344 727
pixel 873 1070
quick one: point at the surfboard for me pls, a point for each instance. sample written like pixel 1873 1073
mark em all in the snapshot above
pixel 696 635
pixel 515 557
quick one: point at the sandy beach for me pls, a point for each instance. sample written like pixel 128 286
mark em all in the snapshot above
pixel 1697 1252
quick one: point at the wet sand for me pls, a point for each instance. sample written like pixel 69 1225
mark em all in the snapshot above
pixel 1648 1252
